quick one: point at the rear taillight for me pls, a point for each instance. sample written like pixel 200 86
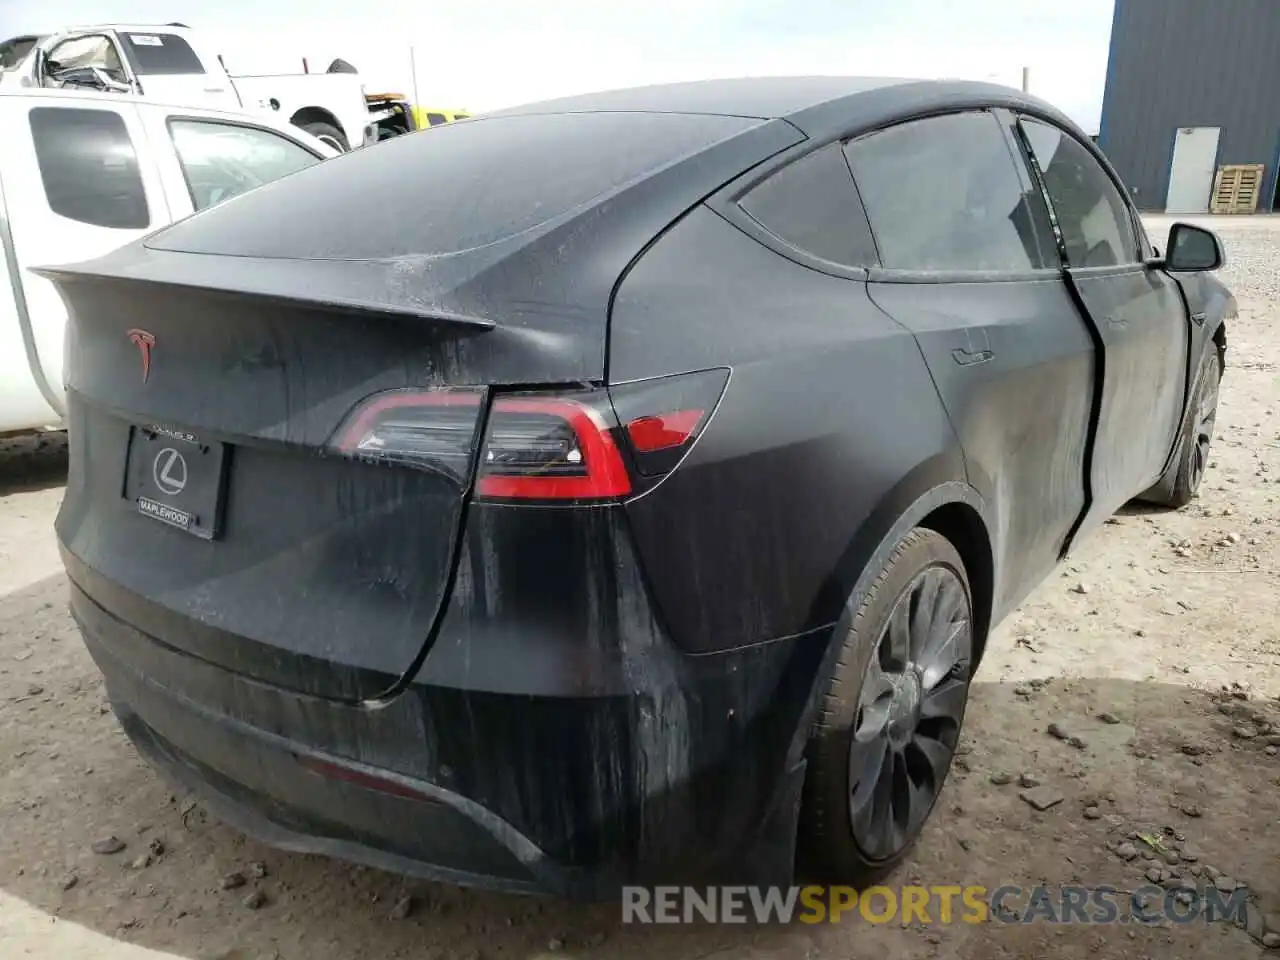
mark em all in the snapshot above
pixel 663 417
pixel 432 430
pixel 539 447
pixel 583 446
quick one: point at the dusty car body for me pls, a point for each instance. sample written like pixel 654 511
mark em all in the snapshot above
pixel 637 508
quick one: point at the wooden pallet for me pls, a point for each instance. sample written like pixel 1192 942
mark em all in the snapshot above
pixel 1236 188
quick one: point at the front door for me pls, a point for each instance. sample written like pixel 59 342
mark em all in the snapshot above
pixel 170 70
pixel 1136 312
pixel 1195 158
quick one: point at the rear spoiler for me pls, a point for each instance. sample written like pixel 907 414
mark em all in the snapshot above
pixel 385 287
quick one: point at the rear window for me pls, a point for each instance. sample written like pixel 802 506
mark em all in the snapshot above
pixel 88 167
pixel 154 54
pixel 467 185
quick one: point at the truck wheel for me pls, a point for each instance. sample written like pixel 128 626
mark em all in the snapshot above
pixel 327 133
pixel 890 721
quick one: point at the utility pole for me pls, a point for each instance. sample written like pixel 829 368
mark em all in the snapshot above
pixel 413 68
pixel 1026 79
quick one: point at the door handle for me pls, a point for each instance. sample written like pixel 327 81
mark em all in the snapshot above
pixel 1118 321
pixel 1199 318
pixel 967 358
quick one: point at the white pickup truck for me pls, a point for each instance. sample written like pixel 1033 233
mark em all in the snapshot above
pixel 175 64
pixel 81 174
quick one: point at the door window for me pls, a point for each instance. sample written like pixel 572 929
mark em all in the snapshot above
pixel 944 194
pixel 221 160
pixel 1089 211
pixel 89 168
pixel 72 61
pixel 157 54
pixel 812 205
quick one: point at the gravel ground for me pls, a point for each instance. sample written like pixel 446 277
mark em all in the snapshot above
pixel 1155 646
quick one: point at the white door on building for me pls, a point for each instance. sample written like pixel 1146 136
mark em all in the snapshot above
pixel 1195 155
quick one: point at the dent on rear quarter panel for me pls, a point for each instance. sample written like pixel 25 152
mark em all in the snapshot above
pixel 829 417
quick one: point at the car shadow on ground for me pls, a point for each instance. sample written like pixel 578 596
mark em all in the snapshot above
pixel 33 462
pixel 68 778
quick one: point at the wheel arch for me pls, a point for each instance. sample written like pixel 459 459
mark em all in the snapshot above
pixel 951 508
pixel 317 115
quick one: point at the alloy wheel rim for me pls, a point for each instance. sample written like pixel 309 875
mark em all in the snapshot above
pixel 910 708
pixel 1206 416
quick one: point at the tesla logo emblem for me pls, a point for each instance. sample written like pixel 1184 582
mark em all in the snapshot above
pixel 170 471
pixel 144 342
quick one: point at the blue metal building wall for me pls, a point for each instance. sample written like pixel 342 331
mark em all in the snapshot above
pixel 1191 63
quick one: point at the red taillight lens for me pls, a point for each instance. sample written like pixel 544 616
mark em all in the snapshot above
pixel 663 417
pixel 550 448
pixel 663 431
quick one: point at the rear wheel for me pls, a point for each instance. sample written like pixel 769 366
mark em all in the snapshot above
pixel 327 133
pixel 890 721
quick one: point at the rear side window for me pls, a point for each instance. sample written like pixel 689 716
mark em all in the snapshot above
pixel 944 194
pixel 435 119
pixel 1090 212
pixel 89 168
pixel 13 52
pixel 812 205
pixel 220 160
pixel 155 54
pixel 472 184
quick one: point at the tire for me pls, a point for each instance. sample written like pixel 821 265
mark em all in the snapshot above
pixel 328 133
pixel 841 837
pixel 1197 434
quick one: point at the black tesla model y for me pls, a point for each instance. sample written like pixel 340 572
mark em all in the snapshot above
pixel 632 502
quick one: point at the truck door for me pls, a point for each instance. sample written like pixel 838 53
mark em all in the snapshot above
pixel 87 60
pixel 80 180
pixel 170 70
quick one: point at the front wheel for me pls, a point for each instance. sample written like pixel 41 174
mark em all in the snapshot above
pixel 1197 437
pixel 890 721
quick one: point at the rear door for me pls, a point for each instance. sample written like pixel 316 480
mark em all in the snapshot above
pixel 204 160
pixel 971 268
pixel 1137 311
pixel 80 181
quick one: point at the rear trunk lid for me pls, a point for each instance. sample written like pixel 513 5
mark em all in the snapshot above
pixel 211 367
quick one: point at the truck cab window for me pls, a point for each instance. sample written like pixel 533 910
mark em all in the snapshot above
pixel 71 62
pixel 157 54
pixel 89 168
pixel 221 160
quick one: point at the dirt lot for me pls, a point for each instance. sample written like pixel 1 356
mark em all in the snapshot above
pixel 1152 617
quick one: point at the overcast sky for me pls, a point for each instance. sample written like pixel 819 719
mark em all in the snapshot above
pixel 485 54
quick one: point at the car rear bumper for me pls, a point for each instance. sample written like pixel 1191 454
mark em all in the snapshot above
pixel 574 796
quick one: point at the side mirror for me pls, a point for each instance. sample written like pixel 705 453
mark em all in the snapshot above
pixel 1193 249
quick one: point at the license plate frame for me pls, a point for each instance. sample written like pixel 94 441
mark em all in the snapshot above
pixel 177 479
